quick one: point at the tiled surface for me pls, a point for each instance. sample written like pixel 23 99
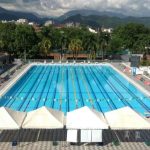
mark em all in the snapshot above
pixel 29 141
pixel 121 68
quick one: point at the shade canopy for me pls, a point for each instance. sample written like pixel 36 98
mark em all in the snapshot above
pixel 85 118
pixel 126 119
pixel 10 119
pixel 44 118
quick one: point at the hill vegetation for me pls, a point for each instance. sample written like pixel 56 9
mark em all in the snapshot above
pixel 22 40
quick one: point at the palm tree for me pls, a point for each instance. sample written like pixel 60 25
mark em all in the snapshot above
pixel 64 41
pixel 104 39
pixel 91 44
pixel 75 45
pixel 45 46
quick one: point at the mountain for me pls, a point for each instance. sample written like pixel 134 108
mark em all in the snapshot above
pixel 86 12
pixel 86 17
pixel 15 15
pixel 106 21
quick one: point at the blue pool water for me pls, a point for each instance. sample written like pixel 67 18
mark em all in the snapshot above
pixel 66 88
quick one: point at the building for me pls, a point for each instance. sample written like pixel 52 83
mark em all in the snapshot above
pixel 22 21
pixel 5 21
pixel 92 30
pixel 31 23
pixel 48 23
pixel 69 24
pixel 107 30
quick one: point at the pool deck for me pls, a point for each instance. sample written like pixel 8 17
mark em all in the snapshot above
pixel 13 78
pixel 139 84
pixel 29 141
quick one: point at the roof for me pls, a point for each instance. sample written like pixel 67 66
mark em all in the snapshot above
pixel 85 118
pixel 44 118
pixel 10 119
pixel 126 119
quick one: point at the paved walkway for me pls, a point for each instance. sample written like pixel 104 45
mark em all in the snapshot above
pixel 11 77
pixel 29 141
pixel 118 66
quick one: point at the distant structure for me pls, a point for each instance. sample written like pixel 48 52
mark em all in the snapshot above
pixel 31 24
pixel 22 21
pixel 69 24
pixel 5 21
pixel 48 23
pixel 92 30
pixel 107 30
pixel 72 24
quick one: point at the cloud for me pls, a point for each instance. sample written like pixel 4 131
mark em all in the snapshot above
pixel 58 7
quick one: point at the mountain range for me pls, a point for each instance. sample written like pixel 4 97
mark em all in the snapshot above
pixel 15 15
pixel 86 17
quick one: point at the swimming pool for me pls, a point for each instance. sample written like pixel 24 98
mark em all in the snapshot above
pixel 67 87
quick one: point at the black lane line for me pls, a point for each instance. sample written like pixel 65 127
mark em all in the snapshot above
pixel 51 79
pixel 112 103
pixel 99 85
pixel 91 89
pixel 34 90
pixel 67 90
pixel 52 104
pixel 22 90
pixel 79 86
pixel 114 89
pixel 43 88
pixel 129 91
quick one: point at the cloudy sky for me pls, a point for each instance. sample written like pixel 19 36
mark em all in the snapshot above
pixel 58 7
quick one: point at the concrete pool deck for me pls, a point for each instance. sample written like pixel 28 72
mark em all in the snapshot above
pixel 29 141
pixel 139 84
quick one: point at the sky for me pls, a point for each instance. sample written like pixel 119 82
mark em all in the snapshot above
pixel 59 7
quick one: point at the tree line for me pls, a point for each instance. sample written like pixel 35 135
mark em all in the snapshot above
pixel 22 40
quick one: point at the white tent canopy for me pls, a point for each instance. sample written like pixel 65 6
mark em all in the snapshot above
pixel 10 119
pixel 85 118
pixel 126 119
pixel 44 118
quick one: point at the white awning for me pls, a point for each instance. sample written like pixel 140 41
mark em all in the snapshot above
pixel 44 118
pixel 85 118
pixel 72 136
pixel 10 119
pixel 126 119
pixel 86 136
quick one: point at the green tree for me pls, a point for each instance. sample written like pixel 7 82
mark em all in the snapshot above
pixel 7 38
pixel 45 46
pixel 91 44
pixel 130 34
pixel 75 45
pixel 25 39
